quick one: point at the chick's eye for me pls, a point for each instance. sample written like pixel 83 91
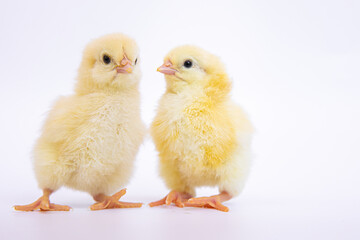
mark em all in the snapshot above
pixel 188 64
pixel 106 59
pixel 135 61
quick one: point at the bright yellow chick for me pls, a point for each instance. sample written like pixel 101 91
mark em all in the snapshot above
pixel 90 139
pixel 202 137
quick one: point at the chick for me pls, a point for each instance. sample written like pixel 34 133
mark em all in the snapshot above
pixel 202 137
pixel 90 139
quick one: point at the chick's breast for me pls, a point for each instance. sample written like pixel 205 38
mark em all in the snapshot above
pixel 94 148
pixel 196 139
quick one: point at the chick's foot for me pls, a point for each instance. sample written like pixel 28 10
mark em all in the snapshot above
pixel 214 202
pixel 178 198
pixel 108 202
pixel 42 204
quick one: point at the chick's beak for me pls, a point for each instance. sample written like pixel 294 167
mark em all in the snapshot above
pixel 125 66
pixel 167 68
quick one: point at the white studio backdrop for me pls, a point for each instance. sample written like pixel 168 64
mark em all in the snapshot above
pixel 295 69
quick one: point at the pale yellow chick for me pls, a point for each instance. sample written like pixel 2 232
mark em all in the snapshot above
pixel 90 139
pixel 202 137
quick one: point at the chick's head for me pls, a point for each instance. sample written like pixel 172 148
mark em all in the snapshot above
pixel 189 67
pixel 110 63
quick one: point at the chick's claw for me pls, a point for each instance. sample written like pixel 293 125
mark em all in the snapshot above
pixel 158 203
pixel 119 194
pixel 207 202
pixel 42 204
pixel 178 198
pixel 57 207
pixel 109 202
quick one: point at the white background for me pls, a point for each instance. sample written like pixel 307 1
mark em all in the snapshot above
pixel 295 67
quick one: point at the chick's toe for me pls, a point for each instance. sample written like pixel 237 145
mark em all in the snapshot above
pixel 109 202
pixel 178 198
pixel 42 204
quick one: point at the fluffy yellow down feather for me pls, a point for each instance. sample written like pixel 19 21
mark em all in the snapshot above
pixel 202 137
pixel 90 139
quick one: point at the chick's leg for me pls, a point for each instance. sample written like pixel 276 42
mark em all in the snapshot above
pixel 42 204
pixel 178 198
pixel 108 202
pixel 214 202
